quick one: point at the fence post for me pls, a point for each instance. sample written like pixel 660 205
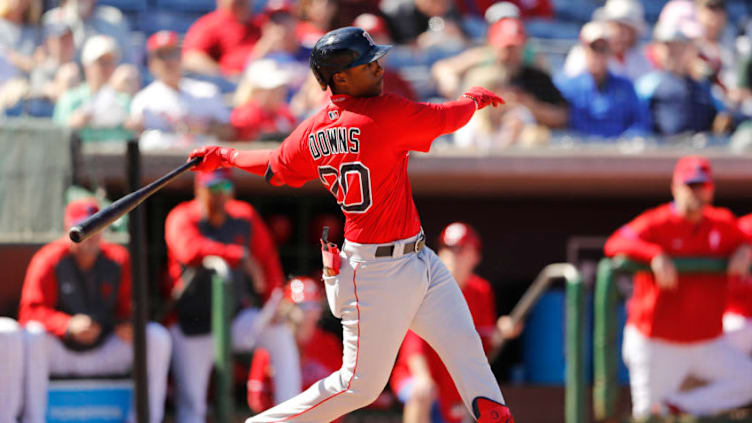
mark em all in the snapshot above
pixel 575 355
pixel 605 355
pixel 222 312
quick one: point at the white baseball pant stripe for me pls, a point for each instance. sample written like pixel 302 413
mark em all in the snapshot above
pixel 379 299
pixel 738 331
pixel 47 355
pixel 193 358
pixel 11 369
pixel 658 368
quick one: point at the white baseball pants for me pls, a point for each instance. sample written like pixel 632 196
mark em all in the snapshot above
pixel 193 358
pixel 379 299
pixel 657 369
pixel 738 331
pixel 11 370
pixel 46 355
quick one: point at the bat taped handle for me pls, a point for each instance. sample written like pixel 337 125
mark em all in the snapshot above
pixel 114 211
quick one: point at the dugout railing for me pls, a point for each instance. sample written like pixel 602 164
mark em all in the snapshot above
pixel 605 329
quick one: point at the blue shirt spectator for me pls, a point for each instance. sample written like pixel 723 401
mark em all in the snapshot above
pixel 601 103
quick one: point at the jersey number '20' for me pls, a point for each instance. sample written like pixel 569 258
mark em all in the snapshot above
pixel 350 185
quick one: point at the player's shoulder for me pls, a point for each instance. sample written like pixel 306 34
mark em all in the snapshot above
pixel 745 223
pixel 114 252
pixel 240 209
pixel 189 209
pixel 479 284
pixel 658 214
pixel 720 215
pixel 53 251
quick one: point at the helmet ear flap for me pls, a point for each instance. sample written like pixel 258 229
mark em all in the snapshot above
pixel 320 78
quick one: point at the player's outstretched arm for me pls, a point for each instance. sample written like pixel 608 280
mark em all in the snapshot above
pixel 215 157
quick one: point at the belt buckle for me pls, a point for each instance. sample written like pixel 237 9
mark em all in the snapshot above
pixel 420 243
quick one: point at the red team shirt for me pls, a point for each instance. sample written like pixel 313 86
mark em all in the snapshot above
pixel 358 148
pixel 694 310
pixel 740 296
pixel 481 301
pixel 319 358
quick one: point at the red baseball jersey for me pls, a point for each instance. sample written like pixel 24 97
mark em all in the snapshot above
pixel 53 276
pixel 358 147
pixel 694 310
pixel 740 295
pixel 319 358
pixel 482 303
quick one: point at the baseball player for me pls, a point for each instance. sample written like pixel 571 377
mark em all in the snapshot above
pixel 215 224
pixel 12 369
pixel 419 377
pixel 76 307
pixel 737 319
pixel 384 281
pixel 320 351
pixel 674 322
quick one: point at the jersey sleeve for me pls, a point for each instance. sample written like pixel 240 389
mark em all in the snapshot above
pixel 39 296
pixel 414 126
pixel 186 243
pixel 635 240
pixel 200 37
pixel 291 163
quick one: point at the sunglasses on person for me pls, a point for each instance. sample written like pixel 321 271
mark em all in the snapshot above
pixel 224 187
pixel 600 47
pixel 168 54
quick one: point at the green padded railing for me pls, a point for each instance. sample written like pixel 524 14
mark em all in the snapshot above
pixel 605 353
pixel 222 311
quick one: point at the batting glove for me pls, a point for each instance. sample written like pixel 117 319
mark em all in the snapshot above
pixel 483 97
pixel 214 157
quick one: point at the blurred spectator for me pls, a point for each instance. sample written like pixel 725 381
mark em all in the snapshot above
pixel 278 35
pixel 316 19
pixel 602 104
pixel 94 108
pixel 419 377
pixel 424 23
pixel 12 365
pixel 126 79
pixel 674 321
pixel 505 48
pixel 76 307
pixel 19 36
pixel 627 22
pixel 320 351
pixel 57 72
pixel 677 101
pixel 508 124
pixel 215 224
pixel 737 318
pixel 260 108
pixel 222 41
pixel 501 10
pixel 174 110
pixel 393 82
pixel 527 8
pixel 87 19
pixel 716 44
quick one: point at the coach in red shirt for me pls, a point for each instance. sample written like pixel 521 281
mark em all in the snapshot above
pixel 222 41
pixel 674 322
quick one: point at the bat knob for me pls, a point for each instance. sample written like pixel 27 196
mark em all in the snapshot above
pixel 76 234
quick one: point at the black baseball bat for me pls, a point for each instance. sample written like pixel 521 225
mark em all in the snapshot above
pixel 114 211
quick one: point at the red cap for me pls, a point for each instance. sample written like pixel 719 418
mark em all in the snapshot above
pixel 303 290
pixel 78 210
pixel 162 39
pixel 276 6
pixel 372 24
pixel 506 32
pixel 693 170
pixel 459 234
pixel 205 179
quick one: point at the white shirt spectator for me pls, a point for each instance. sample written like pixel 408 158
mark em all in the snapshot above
pixel 166 114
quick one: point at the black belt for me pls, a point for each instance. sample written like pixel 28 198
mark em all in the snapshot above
pixel 410 247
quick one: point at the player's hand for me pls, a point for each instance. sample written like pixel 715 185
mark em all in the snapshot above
pixel 214 157
pixel 483 97
pixel 740 261
pixel 665 272
pixel 124 331
pixel 83 329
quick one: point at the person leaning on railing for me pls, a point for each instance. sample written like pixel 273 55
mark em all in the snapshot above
pixel 674 322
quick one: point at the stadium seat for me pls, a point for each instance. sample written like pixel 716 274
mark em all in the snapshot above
pixel 553 29
pixel 575 10
pixel 653 9
pixel 126 5
pixel 155 20
pixel 202 6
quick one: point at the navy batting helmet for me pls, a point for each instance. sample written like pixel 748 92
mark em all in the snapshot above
pixel 342 49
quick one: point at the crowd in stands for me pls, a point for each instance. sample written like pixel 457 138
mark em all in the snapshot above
pixel 173 73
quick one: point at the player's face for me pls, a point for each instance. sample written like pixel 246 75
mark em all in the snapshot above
pixel 214 198
pixel 692 198
pixel 86 249
pixel 362 81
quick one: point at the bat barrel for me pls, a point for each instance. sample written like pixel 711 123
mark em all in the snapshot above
pixel 114 211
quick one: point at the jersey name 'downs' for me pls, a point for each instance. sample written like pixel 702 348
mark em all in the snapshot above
pixel 338 140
